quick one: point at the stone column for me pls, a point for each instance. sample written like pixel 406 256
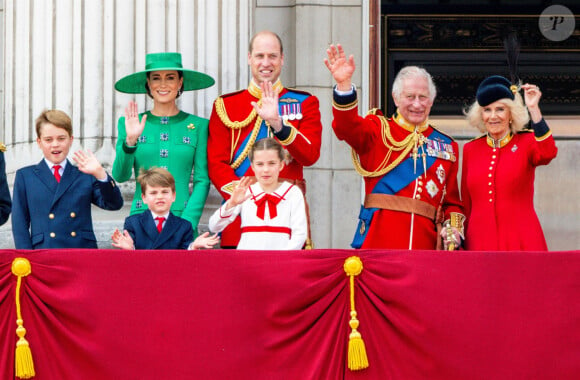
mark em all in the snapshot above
pixel 67 54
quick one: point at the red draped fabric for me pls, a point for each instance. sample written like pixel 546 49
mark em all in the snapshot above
pixel 106 314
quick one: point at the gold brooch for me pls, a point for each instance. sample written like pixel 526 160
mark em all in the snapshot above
pixel 191 126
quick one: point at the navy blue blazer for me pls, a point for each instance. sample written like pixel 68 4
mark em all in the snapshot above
pixel 47 214
pixel 176 234
pixel 5 202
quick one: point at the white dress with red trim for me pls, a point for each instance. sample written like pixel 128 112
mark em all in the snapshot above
pixel 275 221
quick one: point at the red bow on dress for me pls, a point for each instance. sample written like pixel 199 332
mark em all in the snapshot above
pixel 272 202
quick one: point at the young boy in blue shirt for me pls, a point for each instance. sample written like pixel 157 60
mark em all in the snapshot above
pixel 52 200
pixel 158 227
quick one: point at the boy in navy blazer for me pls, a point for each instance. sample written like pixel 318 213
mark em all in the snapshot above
pixel 158 228
pixel 52 200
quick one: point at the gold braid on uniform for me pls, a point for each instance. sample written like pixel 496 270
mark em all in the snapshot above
pixel 220 109
pixel 405 145
pixel 249 145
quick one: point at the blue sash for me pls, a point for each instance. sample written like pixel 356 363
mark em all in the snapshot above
pixel 393 182
pixel 245 165
pixel 289 98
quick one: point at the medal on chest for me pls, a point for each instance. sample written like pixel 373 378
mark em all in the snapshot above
pixel 290 109
pixel 439 149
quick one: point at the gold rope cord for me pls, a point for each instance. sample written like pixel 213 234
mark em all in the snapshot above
pixel 24 365
pixel 237 125
pixel 249 145
pixel 220 109
pixel 406 145
pixel 357 353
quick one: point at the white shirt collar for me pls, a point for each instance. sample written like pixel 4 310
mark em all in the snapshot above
pixel 166 215
pixel 62 165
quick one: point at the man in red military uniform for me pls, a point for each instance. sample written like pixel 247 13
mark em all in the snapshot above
pixel 410 168
pixel 265 108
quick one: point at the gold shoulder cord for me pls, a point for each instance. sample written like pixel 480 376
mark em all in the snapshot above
pixel 220 108
pixel 237 125
pixel 249 145
pixel 405 145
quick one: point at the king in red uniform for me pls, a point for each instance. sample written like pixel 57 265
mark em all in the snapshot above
pixel 410 168
pixel 265 108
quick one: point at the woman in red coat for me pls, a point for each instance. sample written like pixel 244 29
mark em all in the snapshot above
pixel 497 183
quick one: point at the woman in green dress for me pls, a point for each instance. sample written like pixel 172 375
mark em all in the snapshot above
pixel 164 136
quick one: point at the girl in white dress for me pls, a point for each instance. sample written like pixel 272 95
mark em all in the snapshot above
pixel 273 214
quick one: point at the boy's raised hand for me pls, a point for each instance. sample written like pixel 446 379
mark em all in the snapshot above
pixel 122 240
pixel 205 241
pixel 88 163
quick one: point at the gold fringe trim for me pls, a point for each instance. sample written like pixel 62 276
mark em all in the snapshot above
pixel 23 359
pixel 357 354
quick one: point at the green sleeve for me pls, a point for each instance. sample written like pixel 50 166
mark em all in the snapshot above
pixel 196 202
pixel 125 156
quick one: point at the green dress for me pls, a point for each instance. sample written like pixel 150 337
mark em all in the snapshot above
pixel 177 143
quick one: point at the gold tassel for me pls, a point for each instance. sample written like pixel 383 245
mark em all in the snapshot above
pixel 357 353
pixel 23 360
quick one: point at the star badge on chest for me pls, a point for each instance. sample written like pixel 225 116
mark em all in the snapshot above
pixel 432 188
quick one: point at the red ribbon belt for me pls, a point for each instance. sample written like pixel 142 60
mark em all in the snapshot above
pixel 277 229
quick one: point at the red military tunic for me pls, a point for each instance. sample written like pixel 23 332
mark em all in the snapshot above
pixel 437 187
pixel 233 120
pixel 497 188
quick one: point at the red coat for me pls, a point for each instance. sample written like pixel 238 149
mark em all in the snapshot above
pixel 303 143
pixel 397 229
pixel 497 189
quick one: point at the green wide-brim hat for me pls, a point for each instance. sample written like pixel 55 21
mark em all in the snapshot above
pixel 135 83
